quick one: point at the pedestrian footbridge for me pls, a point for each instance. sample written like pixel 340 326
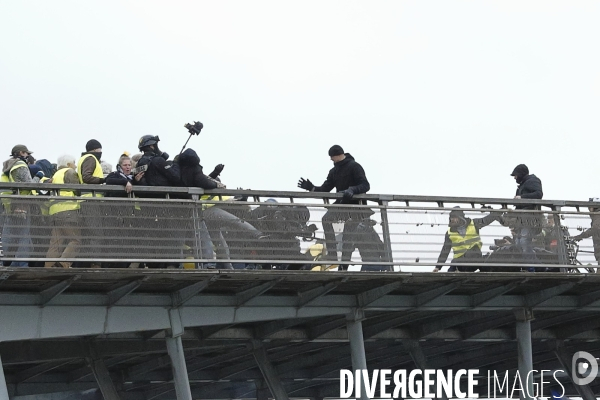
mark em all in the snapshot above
pixel 197 330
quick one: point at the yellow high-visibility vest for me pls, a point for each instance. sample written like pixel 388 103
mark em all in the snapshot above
pixel 97 173
pixel 461 244
pixel 57 206
pixel 212 197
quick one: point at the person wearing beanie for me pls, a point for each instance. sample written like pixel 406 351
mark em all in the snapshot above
pixel 463 239
pixel 89 168
pixel 347 177
pixel 89 171
pixel 527 225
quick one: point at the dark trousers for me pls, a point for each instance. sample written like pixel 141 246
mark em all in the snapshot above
pixel 351 221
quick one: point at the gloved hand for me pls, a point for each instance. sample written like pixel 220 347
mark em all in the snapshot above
pixel 221 185
pixel 305 184
pixel 40 174
pixel 217 171
pixel 348 193
pixel 577 238
pixel 165 155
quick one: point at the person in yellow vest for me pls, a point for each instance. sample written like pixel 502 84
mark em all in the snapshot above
pixel 66 232
pixel 463 239
pixel 89 171
pixel 16 238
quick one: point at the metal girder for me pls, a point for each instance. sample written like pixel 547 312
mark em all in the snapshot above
pixel 266 368
pixel 524 351
pixel 40 369
pixel 365 298
pixel 373 328
pixel 312 294
pixel 180 375
pixel 105 383
pixel 246 295
pixel 568 330
pixel 476 328
pixel 317 331
pixel 181 296
pixel 265 330
pixel 416 353
pixel 533 299
pixel 85 372
pixel 46 295
pixel 479 299
pixel 3 387
pixel 439 323
pixel 564 358
pixel 93 394
pixel 426 297
pixel 117 294
pixel 588 298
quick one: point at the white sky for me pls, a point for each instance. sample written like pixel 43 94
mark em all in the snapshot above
pixel 431 97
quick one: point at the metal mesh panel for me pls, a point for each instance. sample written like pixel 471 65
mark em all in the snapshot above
pixel 223 234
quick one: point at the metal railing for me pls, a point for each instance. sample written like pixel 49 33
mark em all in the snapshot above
pixel 191 228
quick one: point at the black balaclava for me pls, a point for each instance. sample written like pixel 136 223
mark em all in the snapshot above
pixel 458 214
pixel 520 171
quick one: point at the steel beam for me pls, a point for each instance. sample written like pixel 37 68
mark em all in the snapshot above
pixel 357 348
pixel 416 353
pixel 117 294
pixel 3 388
pixel 47 295
pixel 524 352
pixel 365 298
pixel 585 391
pixel 246 295
pixel 180 375
pixel 426 297
pixel 105 383
pixel 312 294
pixel 533 299
pixel 268 371
pixel 181 296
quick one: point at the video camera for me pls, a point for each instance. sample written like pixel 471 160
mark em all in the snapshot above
pixel 194 129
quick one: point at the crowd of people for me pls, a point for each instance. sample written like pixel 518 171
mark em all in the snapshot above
pixel 153 167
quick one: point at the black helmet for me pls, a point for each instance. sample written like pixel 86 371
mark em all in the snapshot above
pixel 147 140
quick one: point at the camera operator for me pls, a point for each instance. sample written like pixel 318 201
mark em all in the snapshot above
pixel 593 231
pixel 347 177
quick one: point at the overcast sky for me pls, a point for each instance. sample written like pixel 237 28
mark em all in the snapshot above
pixel 431 97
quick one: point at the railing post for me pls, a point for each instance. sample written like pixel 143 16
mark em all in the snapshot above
pixel 563 257
pixel 196 216
pixel 387 241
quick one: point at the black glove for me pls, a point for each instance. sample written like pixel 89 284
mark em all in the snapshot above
pixel 576 238
pixel 217 171
pixel 165 155
pixel 305 184
pixel 348 193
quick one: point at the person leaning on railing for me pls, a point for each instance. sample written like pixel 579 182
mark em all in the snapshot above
pixel 65 241
pixel 16 240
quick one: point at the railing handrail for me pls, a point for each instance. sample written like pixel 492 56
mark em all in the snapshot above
pixel 439 200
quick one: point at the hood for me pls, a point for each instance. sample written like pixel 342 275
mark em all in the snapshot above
pixel 344 161
pixel 8 164
pixel 189 158
pixel 520 172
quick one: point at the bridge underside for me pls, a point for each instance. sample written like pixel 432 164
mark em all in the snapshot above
pixel 92 334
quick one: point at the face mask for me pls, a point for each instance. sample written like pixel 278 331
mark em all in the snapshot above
pixel 98 155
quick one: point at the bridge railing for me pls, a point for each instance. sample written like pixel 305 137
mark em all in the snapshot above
pixel 204 229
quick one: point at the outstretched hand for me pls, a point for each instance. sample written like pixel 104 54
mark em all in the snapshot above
pixel 217 171
pixel 305 184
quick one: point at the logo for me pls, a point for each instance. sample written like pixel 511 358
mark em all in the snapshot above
pixel 580 367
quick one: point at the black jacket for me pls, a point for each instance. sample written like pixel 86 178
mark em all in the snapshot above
pixel 119 178
pixel 191 171
pixel 530 188
pixel 160 171
pixel 346 174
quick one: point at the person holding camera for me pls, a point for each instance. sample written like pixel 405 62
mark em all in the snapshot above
pixel 463 239
pixel 16 238
pixel 347 177
pixel 160 171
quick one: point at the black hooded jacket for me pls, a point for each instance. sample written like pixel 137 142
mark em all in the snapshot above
pixel 160 171
pixel 346 174
pixel 530 187
pixel 191 171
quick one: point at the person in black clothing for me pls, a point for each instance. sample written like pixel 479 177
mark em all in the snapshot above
pixel 527 225
pixel 160 172
pixel 463 239
pixel 347 177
